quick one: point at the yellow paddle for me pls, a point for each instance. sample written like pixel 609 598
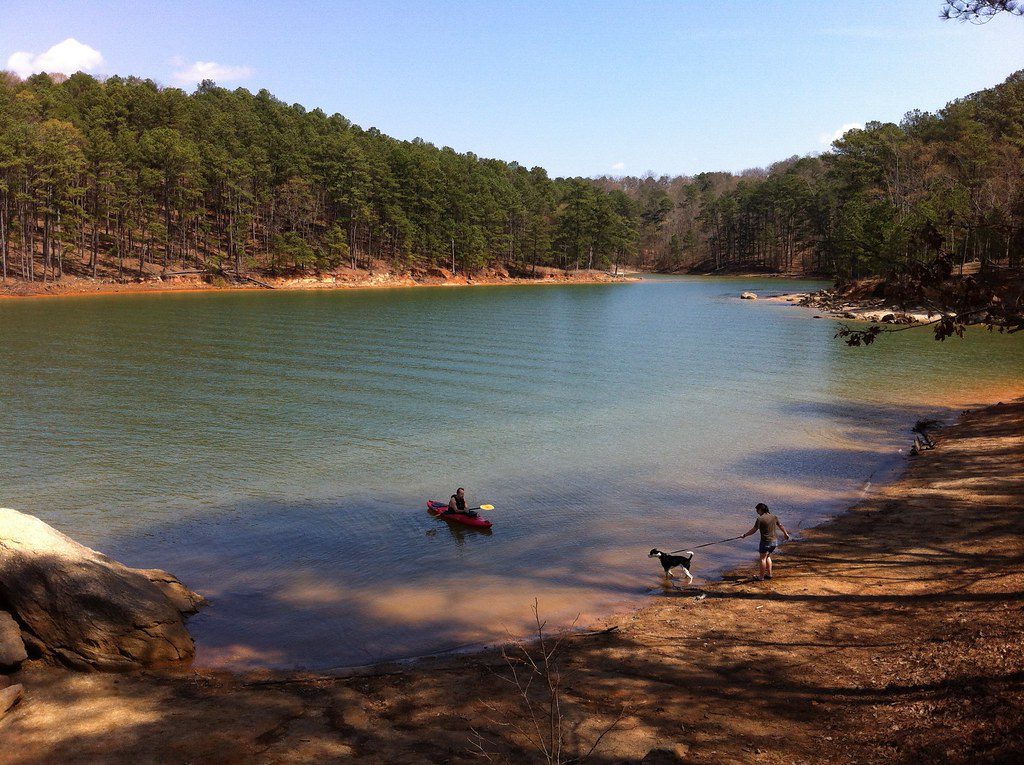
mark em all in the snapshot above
pixel 483 507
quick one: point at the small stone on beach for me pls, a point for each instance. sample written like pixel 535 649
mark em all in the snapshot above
pixel 9 697
pixel 12 647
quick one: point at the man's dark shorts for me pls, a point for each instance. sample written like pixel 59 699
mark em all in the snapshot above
pixel 766 548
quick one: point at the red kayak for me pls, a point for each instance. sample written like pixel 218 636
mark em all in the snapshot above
pixel 440 509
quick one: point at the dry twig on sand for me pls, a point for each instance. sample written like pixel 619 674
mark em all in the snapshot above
pixel 537 681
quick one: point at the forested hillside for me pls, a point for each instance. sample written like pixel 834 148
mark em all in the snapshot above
pixel 951 182
pixel 129 173
pixel 127 170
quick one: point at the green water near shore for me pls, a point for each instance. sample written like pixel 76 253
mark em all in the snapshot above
pixel 275 450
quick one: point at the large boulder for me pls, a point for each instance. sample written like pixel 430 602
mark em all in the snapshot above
pixel 84 609
pixel 12 647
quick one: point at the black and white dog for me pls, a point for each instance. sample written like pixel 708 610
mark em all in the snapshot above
pixel 669 562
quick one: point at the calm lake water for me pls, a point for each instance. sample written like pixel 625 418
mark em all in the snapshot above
pixel 275 450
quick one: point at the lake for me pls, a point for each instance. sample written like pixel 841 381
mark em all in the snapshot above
pixel 275 449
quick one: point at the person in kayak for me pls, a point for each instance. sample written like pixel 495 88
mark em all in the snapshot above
pixel 769 525
pixel 457 504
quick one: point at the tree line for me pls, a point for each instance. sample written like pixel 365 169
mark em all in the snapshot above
pixel 949 183
pixel 127 176
pixel 124 171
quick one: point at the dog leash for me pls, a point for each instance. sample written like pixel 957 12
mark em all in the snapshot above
pixel 708 544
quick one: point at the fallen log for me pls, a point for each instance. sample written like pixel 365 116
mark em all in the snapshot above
pixel 254 280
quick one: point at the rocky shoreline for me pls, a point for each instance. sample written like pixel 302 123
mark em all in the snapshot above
pixel 888 634
pixel 837 305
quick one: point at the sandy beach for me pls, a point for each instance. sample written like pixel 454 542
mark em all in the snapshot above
pixel 889 634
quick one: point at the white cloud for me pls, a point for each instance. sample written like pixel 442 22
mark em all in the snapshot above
pixel 619 166
pixel 827 138
pixel 65 57
pixel 210 70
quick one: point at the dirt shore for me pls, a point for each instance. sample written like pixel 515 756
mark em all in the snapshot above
pixel 341 279
pixel 890 634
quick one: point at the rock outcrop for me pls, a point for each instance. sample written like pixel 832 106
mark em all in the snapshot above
pixel 80 607
pixel 181 597
pixel 748 296
pixel 12 647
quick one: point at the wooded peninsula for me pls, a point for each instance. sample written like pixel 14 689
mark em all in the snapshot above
pixel 123 179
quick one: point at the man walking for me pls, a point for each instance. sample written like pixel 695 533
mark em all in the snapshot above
pixel 769 525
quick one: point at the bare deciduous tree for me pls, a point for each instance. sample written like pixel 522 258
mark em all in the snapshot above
pixel 536 679
pixel 979 11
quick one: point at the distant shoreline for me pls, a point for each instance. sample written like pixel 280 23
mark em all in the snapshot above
pixel 71 286
pixel 349 279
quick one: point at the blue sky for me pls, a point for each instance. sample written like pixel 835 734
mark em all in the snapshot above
pixel 580 88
